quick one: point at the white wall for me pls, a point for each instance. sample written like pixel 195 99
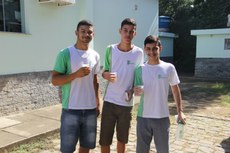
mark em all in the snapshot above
pixel 108 15
pixel 49 28
pixel 210 43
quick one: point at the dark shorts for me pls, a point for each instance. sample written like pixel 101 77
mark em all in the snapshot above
pixel 157 129
pixel 78 125
pixel 114 116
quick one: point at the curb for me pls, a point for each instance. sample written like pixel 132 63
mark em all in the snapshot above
pixel 12 145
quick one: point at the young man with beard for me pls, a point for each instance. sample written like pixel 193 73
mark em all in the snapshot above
pixel 76 70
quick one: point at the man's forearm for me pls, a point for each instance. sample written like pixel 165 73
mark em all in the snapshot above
pixel 61 79
pixel 177 97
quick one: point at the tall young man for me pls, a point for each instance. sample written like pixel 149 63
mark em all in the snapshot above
pixel 76 71
pixel 120 62
pixel 153 113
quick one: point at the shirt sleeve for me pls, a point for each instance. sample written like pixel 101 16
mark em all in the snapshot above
pixel 61 62
pixel 174 79
pixel 142 57
pixel 107 62
pixel 138 76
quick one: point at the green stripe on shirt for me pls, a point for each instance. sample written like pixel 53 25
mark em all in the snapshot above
pixel 63 66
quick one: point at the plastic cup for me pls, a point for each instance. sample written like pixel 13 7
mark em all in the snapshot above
pixel 114 74
pixel 141 90
pixel 85 65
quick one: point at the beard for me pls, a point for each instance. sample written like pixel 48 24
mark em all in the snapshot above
pixel 86 39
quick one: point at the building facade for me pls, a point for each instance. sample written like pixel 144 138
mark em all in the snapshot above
pixel 32 33
pixel 212 53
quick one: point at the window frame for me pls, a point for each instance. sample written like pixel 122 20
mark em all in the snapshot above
pixel 14 22
pixel 227 44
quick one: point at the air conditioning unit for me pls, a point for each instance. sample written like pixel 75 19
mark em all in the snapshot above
pixel 46 1
pixel 64 2
pixel 58 2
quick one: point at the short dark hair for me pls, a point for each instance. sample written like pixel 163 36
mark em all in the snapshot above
pixel 152 39
pixel 84 22
pixel 128 21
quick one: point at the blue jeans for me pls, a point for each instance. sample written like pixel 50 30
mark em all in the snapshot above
pixel 78 125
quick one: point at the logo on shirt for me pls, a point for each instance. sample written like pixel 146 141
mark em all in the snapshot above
pixel 161 77
pixel 130 62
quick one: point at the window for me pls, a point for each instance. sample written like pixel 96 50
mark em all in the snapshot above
pixel 10 16
pixel 227 44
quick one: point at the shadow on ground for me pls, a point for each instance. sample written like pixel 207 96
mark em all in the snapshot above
pixel 200 94
pixel 226 145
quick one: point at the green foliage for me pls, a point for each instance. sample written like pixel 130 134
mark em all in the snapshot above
pixel 36 145
pixel 224 90
pixel 211 14
pixel 189 15
pixel 25 148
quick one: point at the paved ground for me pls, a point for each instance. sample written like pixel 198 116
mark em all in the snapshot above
pixel 205 132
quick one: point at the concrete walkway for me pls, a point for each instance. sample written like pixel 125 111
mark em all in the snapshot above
pixel 203 134
pixel 20 128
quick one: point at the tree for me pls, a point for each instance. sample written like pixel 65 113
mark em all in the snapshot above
pixel 189 15
pixel 211 14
